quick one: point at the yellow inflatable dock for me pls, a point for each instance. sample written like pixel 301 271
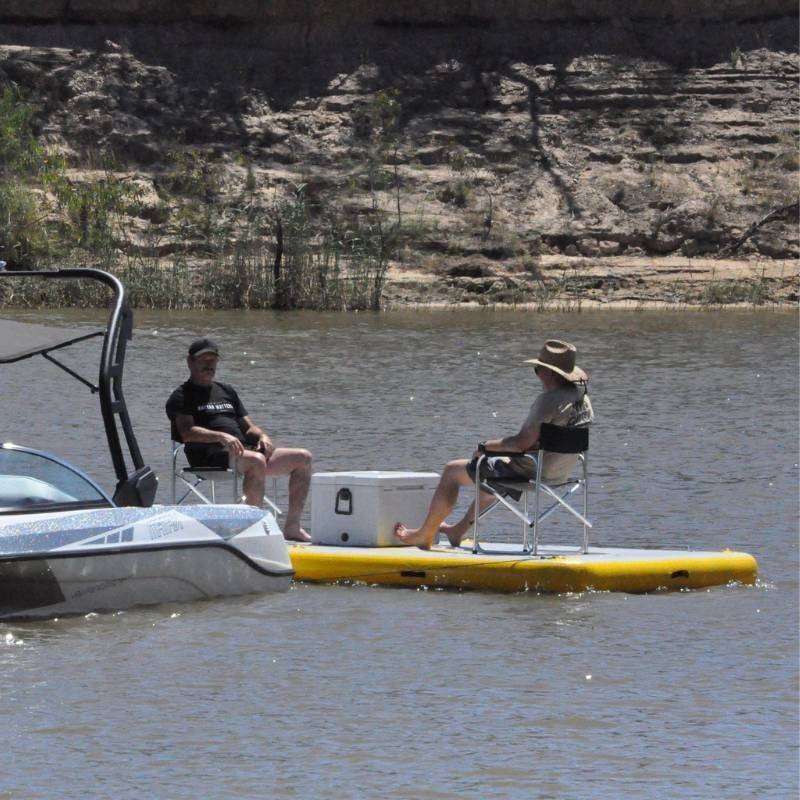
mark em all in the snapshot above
pixel 504 569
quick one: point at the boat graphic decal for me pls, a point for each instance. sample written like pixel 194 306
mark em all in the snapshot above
pixel 227 528
pixel 227 523
pixel 114 538
pixel 42 541
pixel 58 530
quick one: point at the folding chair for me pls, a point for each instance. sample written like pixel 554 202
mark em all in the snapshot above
pixel 194 477
pixel 552 439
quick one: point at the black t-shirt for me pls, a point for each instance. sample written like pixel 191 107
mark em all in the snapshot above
pixel 216 407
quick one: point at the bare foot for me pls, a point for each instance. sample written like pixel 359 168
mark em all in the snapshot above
pixel 412 536
pixel 454 533
pixel 298 535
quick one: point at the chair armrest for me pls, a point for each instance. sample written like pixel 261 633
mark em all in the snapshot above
pixel 482 448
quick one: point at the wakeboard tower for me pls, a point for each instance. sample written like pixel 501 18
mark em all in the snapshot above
pixel 68 547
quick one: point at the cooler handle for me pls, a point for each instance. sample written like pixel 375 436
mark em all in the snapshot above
pixel 344 502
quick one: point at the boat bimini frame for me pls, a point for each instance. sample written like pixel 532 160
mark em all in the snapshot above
pixel 135 487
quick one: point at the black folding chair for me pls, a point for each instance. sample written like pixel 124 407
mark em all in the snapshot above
pixel 552 439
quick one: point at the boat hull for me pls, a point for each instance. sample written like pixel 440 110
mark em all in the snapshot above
pixel 49 587
pixel 114 559
pixel 505 569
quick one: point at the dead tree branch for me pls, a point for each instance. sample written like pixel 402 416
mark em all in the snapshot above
pixel 784 212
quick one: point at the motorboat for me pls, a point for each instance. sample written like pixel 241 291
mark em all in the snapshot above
pixel 69 547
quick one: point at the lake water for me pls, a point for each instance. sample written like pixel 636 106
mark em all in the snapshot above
pixel 366 692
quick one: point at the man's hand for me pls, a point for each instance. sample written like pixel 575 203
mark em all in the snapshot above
pixel 233 445
pixel 265 446
pixel 484 446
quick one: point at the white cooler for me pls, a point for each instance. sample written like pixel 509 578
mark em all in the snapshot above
pixel 360 509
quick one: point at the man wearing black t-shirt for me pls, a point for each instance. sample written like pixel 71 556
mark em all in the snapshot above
pixel 211 420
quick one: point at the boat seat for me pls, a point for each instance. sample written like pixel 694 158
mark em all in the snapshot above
pixel 195 479
pixel 505 491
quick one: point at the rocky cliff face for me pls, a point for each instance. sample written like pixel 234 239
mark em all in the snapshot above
pixel 327 15
pixel 506 132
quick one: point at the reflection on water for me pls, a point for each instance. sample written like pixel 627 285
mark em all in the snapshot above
pixel 377 692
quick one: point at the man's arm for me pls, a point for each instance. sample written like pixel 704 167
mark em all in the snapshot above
pixel 189 432
pixel 527 439
pixel 253 433
pixel 528 436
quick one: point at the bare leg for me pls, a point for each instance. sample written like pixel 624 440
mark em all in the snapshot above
pixel 444 498
pixel 456 532
pixel 296 464
pixel 253 469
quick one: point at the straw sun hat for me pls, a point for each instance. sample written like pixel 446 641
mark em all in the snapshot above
pixel 560 357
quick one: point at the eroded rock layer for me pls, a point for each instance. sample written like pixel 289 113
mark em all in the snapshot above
pixel 522 130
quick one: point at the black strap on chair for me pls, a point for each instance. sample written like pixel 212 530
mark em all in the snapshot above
pixel 556 439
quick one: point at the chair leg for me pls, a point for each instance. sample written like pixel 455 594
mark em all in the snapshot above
pixel 273 503
pixel 539 462
pixel 488 508
pixel 184 496
pixel 525 526
pixel 585 505
pixel 476 512
pixel 173 484
pixel 192 488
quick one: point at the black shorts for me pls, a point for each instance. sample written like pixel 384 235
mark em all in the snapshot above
pixel 516 468
pixel 211 456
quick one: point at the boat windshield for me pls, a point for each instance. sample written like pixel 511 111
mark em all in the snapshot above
pixel 32 481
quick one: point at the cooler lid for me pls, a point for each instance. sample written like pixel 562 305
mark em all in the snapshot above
pixel 372 477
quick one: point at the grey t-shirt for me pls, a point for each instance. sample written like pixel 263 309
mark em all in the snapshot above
pixel 566 406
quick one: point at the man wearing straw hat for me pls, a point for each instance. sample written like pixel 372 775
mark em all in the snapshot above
pixel 564 401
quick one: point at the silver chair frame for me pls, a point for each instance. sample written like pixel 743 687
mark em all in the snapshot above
pixel 199 476
pixel 211 476
pixel 530 543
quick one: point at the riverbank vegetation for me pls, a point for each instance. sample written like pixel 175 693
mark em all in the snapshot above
pixel 193 239
pixel 201 231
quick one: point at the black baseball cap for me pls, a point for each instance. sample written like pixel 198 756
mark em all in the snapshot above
pixel 200 346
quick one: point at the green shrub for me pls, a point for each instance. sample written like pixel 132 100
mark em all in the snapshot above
pixel 23 235
pixel 193 174
pixel 91 211
pixel 20 153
